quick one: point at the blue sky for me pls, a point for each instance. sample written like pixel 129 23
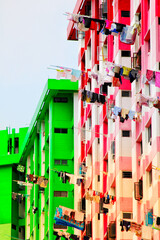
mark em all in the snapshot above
pixel 33 35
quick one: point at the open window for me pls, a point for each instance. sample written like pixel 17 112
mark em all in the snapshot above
pixel 138 190
pixel 103 10
pixel 136 60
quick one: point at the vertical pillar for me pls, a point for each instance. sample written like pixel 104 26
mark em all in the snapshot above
pixel 36 188
pixel 51 166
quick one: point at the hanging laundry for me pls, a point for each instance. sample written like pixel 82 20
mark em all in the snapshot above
pixel 156 103
pixel 113 28
pixel 116 110
pixel 91 97
pixel 158 221
pixel 14 195
pixel 150 75
pixel 125 224
pixel 20 168
pixel 133 75
pixel 119 27
pixel 128 35
pixel 94 75
pixel 87 22
pixel 60 218
pixel 126 71
pixel 34 210
pixel 157 79
pixel 136 228
pixel 124 113
pixel 76 73
pixel 155 226
pixel 149 219
pixel 74 237
pixel 23 184
pixel 116 82
pixel 108 24
pixel 131 114
pixel 84 23
pixel 44 183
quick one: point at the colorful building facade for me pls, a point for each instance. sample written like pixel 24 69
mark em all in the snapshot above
pixel 127 151
pixel 49 147
pixel 11 220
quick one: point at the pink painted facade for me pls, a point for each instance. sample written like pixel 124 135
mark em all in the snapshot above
pixel 127 159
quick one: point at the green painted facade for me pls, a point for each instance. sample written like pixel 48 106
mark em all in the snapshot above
pixel 45 150
pixel 10 144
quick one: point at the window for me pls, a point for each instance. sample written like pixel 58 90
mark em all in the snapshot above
pixel 64 162
pixel 150 134
pixel 141 149
pixel 159 21
pixel 150 177
pixel 126 93
pixel 138 190
pixel 60 162
pixel 99 216
pixel 90 123
pixel 125 53
pixel 136 60
pixel 16 145
pixel 57 162
pixel 98 140
pixel 89 229
pixel 60 99
pixel 125 133
pixel 98 178
pixel 148 4
pixel 103 10
pixel 125 13
pixel 113 147
pixel 112 230
pixel 57 226
pixel 60 130
pixel 127 215
pixel 60 194
pixel 126 174
pixel 88 9
pixel 149 45
pixel 10 146
pixel 13 226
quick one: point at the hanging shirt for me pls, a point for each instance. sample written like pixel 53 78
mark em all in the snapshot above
pixel 150 75
pixel 115 82
pixel 116 110
pixel 108 23
pixel 131 114
pixel 76 73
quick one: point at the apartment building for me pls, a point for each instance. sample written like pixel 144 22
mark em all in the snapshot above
pixel 122 157
pixel 48 148
pixel 11 221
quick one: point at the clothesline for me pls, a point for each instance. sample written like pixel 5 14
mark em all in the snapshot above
pixel 86 130
pixel 84 23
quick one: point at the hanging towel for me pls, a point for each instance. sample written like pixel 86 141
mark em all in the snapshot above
pixel 157 77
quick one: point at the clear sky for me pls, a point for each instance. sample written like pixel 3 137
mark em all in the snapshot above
pixel 33 35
